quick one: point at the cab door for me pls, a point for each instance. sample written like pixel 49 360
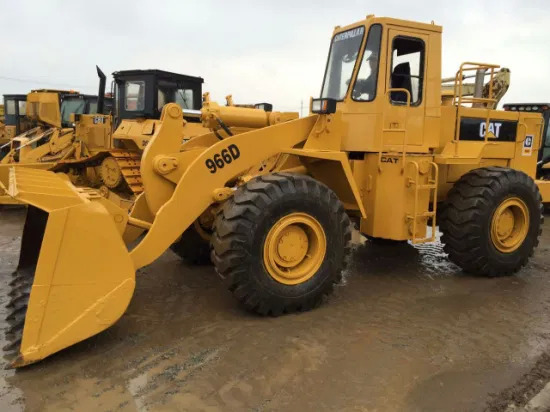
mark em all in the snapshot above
pixel 406 69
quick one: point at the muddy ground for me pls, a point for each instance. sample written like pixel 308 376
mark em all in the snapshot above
pixel 406 331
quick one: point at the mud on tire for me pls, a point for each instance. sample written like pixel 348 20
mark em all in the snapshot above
pixel 241 228
pixel 467 216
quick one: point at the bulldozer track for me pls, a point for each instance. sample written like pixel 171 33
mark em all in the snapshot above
pixel 129 164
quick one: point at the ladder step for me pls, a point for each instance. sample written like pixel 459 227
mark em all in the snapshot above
pixel 431 187
pixel 424 214
pixel 416 241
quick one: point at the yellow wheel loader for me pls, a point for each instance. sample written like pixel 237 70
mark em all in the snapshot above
pixel 378 148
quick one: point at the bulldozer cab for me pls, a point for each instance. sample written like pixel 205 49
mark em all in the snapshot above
pixel 381 76
pixel 81 104
pixel 14 114
pixel 54 107
pixel 143 94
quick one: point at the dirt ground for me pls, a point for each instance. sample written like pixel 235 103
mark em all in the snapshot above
pixel 406 331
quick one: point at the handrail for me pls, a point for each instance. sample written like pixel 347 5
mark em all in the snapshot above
pixel 403 130
pixel 458 100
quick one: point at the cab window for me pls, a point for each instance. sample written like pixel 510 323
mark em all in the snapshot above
pixel 365 86
pixel 22 107
pixel 69 106
pixel 341 62
pixel 93 108
pixel 407 69
pixel 135 95
pixel 184 97
pixel 170 93
pixel 10 107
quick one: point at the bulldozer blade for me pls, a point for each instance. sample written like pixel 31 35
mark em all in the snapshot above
pixel 75 277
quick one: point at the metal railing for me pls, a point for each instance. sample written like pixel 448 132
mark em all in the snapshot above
pixel 397 130
pixel 489 103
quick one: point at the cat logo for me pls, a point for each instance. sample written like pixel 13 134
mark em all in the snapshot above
pixel 494 129
pixel 527 149
pixel 387 159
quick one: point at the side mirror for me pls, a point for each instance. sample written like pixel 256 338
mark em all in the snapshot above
pixel 323 106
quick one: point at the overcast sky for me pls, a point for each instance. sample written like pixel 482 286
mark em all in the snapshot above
pixel 272 51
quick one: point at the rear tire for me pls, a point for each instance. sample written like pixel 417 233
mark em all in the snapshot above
pixel 241 243
pixel 471 215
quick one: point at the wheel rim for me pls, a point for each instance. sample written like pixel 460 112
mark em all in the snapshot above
pixel 294 248
pixel 510 225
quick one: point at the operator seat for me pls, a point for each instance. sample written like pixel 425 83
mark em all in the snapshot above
pixel 401 79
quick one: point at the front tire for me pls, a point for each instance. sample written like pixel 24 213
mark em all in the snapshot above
pixel 281 242
pixel 491 221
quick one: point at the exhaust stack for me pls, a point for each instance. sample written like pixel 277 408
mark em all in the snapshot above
pixel 101 91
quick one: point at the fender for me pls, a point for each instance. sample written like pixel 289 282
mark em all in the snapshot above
pixel 332 168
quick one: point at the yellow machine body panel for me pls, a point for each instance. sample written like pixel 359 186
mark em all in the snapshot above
pixel 43 106
pixel 544 187
pixel 5 198
pixel 389 195
pixel 3 139
pixel 9 132
pixel 95 131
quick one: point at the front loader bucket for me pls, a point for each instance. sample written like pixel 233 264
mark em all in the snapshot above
pixel 75 277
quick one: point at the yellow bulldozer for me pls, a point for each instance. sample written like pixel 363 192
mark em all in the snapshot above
pixel 38 123
pixel 73 134
pixel 378 148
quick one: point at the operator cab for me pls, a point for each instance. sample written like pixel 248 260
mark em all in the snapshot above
pixel 380 70
pixel 544 110
pixel 72 103
pixel 141 94
pixel 15 111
